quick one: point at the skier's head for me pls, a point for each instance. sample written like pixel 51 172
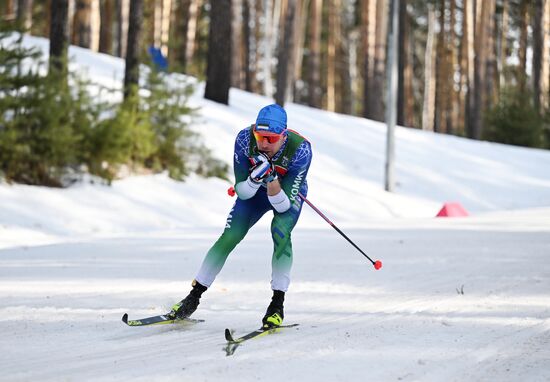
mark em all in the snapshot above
pixel 271 119
pixel 270 129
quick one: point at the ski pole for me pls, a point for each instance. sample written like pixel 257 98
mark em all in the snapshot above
pixel 377 264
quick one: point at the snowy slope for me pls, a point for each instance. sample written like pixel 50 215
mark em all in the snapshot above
pixel 346 176
pixel 457 299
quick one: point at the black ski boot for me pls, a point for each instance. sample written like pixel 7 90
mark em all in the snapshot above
pixel 189 304
pixel 274 315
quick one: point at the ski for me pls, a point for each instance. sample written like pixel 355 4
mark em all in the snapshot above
pixel 158 320
pixel 256 333
pixel 234 343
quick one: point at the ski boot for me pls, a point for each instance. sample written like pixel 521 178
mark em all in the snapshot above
pixel 274 315
pixel 189 304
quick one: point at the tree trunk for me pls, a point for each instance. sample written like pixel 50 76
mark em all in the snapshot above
pixel 218 72
pixel 469 50
pixel 106 26
pixel 247 70
pixel 298 53
pixel 428 109
pixel 149 22
pixel 524 23
pixel 333 34
pixel 343 67
pixel 545 72
pixel 119 50
pixel 259 13
pixel 135 21
pixel 82 28
pixel 314 59
pixel 157 25
pixel 238 10
pixel 504 43
pixel 122 19
pixel 452 106
pixel 59 36
pixel 47 7
pixel 190 45
pixel 405 96
pixel 268 36
pixel 8 11
pixel 442 73
pixel 483 46
pixel 538 44
pixel 284 55
pixel 368 42
pixel 161 17
pixel 177 48
pixel 375 86
pixel 24 13
pixel 491 61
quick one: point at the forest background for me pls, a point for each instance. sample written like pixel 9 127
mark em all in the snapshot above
pixel 478 69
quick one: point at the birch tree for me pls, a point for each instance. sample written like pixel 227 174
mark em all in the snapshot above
pixel 333 32
pixel 428 109
pixel 524 23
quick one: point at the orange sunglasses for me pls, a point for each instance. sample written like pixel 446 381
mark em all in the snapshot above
pixel 271 137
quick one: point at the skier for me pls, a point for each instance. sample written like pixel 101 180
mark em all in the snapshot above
pixel 270 164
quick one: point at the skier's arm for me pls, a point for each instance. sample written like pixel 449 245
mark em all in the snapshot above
pixel 244 186
pixel 294 179
pixel 277 196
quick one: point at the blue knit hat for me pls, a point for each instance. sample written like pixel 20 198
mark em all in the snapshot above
pixel 272 119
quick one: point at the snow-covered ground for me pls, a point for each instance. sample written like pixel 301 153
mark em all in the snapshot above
pixel 458 299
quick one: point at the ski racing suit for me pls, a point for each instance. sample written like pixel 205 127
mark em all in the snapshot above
pixel 292 163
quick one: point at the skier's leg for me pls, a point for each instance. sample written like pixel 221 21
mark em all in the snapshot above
pixel 243 215
pixel 281 263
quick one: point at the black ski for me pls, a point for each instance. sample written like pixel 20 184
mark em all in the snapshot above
pixel 233 343
pixel 158 320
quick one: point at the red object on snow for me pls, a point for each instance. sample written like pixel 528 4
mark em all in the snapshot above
pixel 452 209
pixel 377 264
pixel 231 191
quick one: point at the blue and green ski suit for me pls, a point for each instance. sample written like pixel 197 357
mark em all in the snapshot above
pixel 292 163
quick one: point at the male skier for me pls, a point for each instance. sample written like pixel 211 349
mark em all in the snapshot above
pixel 271 164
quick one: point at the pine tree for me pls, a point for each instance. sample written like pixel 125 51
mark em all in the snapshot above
pixel 218 72
pixel 39 140
pixel 131 72
pixel 59 36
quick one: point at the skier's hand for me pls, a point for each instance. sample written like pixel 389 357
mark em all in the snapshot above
pixel 263 170
pixel 271 176
pixel 258 158
pixel 260 171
